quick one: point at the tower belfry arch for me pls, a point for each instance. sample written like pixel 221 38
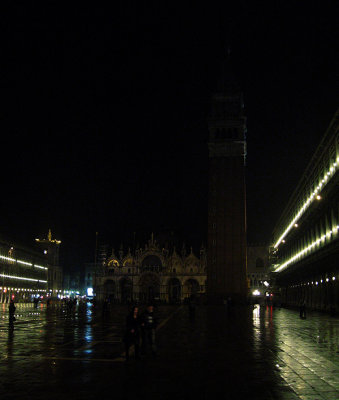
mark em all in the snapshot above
pixel 226 272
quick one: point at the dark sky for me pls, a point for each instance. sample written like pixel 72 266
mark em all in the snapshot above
pixel 104 118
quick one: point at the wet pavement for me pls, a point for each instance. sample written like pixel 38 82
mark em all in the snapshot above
pixel 259 353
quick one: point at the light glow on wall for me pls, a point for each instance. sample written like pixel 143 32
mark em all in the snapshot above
pixel 39 266
pixel 22 262
pixel 22 278
pixel 7 258
pixel 327 177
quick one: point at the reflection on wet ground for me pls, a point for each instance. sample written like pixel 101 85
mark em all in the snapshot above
pixel 250 352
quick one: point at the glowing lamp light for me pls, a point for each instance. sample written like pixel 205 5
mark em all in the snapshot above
pixel 256 293
pixel 318 197
pixel 89 291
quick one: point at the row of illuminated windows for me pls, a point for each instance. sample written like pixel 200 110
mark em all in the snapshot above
pixel 323 232
pixel 17 270
pixel 316 282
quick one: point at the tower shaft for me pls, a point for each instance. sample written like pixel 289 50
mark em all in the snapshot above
pixel 227 260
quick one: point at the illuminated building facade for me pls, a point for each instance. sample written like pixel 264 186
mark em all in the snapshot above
pixel 226 273
pixel 305 245
pixel 23 273
pixel 151 273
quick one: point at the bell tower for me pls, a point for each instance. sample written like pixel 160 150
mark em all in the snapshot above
pixel 227 259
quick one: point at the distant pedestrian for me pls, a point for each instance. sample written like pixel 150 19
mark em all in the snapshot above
pixel 148 326
pixel 36 301
pixel 132 332
pixel 70 304
pixel 303 309
pixel 11 309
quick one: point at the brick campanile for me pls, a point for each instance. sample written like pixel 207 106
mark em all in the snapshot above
pixel 227 258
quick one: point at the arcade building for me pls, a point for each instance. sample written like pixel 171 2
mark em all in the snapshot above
pixel 151 273
pixel 23 273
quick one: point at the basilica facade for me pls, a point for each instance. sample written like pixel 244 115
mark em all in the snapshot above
pixel 152 273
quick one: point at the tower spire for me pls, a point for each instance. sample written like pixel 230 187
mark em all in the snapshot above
pixel 227 80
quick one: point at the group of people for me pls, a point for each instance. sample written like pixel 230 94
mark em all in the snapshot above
pixel 140 332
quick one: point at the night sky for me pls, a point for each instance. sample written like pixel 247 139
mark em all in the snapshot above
pixel 104 121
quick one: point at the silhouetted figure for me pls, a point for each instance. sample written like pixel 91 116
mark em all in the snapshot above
pixel 132 332
pixel 11 309
pixel 71 304
pixel 48 302
pixel 303 310
pixel 36 301
pixel 148 326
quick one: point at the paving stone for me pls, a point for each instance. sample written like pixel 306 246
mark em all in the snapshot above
pixel 53 354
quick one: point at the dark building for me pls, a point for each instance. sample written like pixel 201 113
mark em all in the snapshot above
pixel 226 274
pixel 305 242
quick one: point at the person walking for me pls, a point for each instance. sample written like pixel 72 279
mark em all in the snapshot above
pixel 148 326
pixel 132 332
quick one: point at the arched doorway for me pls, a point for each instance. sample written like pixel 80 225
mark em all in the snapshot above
pixel 174 290
pixel 126 290
pixel 149 287
pixel 109 290
pixel 191 288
